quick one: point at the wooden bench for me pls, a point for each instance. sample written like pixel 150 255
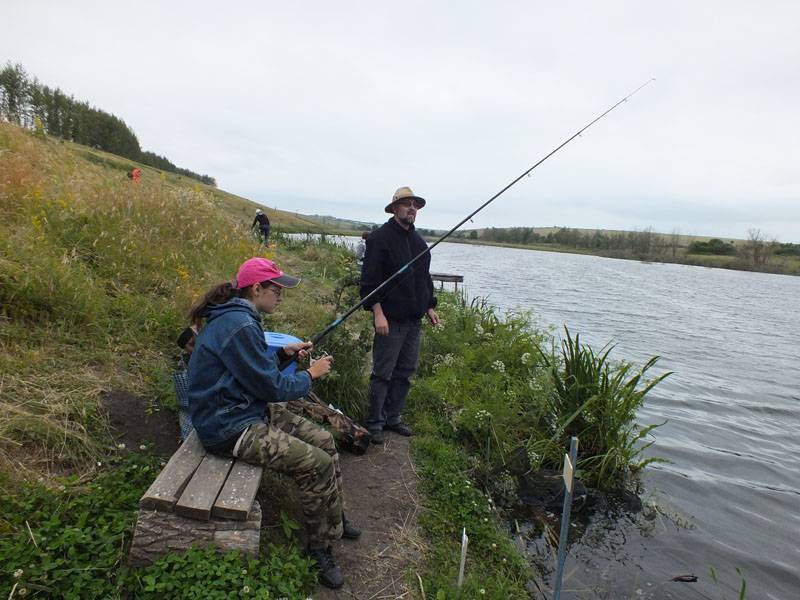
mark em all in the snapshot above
pixel 198 498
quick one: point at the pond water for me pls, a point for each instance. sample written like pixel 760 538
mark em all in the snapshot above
pixel 732 338
pixel 730 497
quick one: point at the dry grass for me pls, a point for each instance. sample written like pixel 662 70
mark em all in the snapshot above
pixel 96 274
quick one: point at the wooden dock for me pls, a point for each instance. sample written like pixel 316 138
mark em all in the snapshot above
pixel 443 278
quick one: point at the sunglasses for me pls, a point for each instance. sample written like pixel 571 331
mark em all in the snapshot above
pixel 407 202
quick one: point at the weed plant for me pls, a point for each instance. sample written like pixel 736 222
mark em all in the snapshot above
pixel 70 541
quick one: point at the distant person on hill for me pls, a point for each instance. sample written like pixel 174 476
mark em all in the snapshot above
pixel 135 174
pixel 397 311
pixel 235 388
pixel 262 221
pixel 361 249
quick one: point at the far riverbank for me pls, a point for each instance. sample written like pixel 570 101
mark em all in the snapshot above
pixel 776 265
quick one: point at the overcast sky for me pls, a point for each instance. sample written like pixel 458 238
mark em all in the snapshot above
pixel 327 107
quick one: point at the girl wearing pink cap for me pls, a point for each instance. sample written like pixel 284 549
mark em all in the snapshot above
pixel 235 391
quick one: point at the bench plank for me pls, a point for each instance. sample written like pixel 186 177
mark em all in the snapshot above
pixel 239 492
pixel 201 492
pixel 169 485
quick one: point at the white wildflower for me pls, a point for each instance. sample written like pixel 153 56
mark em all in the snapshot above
pixel 99 464
pixel 478 329
pixel 121 446
pixel 18 573
pixel 499 366
pixel 246 590
pixel 482 416
pixel 525 358
pixel 244 571
pixel 142 447
pixel 482 591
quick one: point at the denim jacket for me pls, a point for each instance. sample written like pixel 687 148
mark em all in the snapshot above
pixel 231 377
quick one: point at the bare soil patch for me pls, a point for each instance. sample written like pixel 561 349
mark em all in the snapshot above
pixel 137 421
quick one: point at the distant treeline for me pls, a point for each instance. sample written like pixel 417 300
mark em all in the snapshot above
pixel 646 244
pixel 28 103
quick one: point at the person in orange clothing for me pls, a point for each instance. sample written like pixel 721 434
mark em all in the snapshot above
pixel 135 174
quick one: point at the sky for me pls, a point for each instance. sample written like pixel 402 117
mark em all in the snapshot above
pixel 328 107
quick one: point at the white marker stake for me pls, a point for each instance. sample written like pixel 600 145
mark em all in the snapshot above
pixel 464 544
pixel 568 471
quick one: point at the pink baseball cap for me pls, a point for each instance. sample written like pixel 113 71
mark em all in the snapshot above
pixel 256 270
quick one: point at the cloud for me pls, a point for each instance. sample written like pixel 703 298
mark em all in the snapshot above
pixel 330 107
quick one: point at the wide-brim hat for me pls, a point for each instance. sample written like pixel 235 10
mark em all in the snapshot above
pixel 257 270
pixel 403 193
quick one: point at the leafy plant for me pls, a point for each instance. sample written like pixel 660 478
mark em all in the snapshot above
pixel 597 402
pixel 204 574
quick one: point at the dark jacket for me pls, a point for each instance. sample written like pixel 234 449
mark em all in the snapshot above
pixel 231 376
pixel 262 220
pixel 409 296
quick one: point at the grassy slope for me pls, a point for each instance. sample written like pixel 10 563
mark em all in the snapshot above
pixel 96 273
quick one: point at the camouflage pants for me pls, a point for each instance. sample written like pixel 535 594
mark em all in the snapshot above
pixel 303 450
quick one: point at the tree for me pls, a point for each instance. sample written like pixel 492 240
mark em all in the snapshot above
pixel 13 93
pixel 674 241
pixel 756 249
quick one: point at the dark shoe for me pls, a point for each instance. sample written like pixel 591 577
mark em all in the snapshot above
pixel 349 531
pixel 400 428
pixel 330 575
pixel 378 437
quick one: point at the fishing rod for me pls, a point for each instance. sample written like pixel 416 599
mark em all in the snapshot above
pixel 339 320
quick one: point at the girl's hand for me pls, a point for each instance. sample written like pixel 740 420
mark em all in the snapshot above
pixel 302 349
pixel 320 367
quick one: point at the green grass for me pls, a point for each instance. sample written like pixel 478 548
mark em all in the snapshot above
pixel 70 541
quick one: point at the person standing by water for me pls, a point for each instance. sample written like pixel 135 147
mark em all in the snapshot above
pixel 235 387
pixel 397 311
pixel 262 221
pixel 361 249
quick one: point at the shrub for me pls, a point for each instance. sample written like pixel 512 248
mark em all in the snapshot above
pixel 713 246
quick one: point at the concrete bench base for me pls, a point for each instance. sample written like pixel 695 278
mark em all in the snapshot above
pixel 159 532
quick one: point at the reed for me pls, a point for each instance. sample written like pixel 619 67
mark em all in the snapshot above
pixel 598 401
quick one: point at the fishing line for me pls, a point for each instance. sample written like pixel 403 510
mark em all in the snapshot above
pixel 341 319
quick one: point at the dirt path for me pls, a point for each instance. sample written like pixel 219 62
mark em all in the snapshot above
pixel 381 497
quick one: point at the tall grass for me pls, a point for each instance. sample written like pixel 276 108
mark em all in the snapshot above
pixel 96 274
pixel 597 401
pixel 489 385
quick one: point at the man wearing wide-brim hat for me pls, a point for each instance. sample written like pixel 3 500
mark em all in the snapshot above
pixel 397 311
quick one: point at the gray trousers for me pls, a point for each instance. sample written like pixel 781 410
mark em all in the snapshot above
pixel 395 358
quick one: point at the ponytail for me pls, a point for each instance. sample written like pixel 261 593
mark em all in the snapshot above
pixel 219 294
